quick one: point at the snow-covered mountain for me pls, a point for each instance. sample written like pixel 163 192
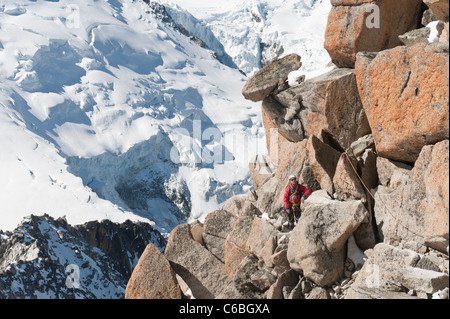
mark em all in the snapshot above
pixel 130 110
pixel 48 258
pixel 253 33
pixel 96 98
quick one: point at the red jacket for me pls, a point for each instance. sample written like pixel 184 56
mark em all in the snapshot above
pixel 300 191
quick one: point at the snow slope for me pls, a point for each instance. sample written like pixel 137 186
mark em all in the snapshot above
pixel 108 111
pixel 97 98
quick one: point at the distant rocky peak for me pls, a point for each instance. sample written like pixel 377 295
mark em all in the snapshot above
pixel 93 260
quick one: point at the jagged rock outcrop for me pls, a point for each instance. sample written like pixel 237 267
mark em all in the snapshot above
pixel 405 96
pixel 193 263
pixel 114 239
pixel 367 25
pixel 48 258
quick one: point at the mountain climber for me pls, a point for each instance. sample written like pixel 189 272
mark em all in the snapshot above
pixel 294 195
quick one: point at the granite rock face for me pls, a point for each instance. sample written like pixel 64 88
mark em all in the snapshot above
pixel 405 96
pixel 153 277
pixel 367 25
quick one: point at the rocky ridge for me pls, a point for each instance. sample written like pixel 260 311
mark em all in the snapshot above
pixel 46 258
pixel 370 139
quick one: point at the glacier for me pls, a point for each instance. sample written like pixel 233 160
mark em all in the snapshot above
pixel 91 93
pixel 97 95
pixel 253 33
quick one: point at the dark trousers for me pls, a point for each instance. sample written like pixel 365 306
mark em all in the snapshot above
pixel 295 215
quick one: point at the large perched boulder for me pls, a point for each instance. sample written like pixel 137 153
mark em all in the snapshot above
pixel 414 206
pixel 203 272
pixel 405 96
pixel 317 244
pixel 153 277
pixel 266 80
pixel 367 25
pixel 329 103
